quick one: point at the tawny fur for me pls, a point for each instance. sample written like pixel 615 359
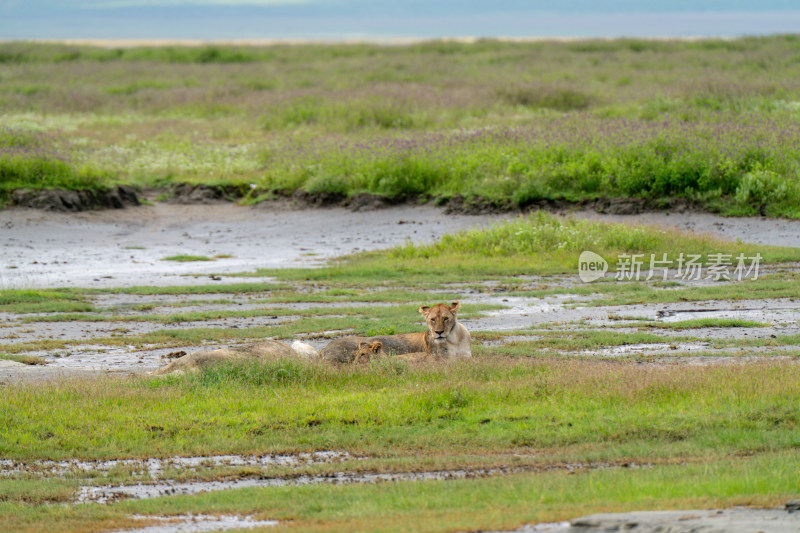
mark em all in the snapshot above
pixel 447 336
pixel 263 350
pixel 370 351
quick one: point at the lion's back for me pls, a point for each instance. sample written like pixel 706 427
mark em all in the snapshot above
pixel 344 349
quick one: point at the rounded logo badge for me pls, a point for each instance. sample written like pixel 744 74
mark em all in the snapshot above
pixel 591 266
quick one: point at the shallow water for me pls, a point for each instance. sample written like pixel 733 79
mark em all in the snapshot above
pixel 197 523
pixel 108 494
pixel 155 466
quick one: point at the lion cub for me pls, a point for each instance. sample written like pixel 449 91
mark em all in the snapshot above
pixel 369 351
pixel 268 349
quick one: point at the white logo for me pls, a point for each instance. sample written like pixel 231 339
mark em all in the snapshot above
pixel 591 266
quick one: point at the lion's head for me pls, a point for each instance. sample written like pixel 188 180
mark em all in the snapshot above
pixel 441 319
pixel 367 351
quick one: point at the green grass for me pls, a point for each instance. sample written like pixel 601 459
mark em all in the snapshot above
pixel 530 404
pixel 360 295
pixel 513 501
pixel 184 258
pixel 708 323
pixel 187 258
pixel 356 315
pixel 570 341
pixel 28 160
pixel 507 124
pixel 25 359
pixel 223 288
pixel 42 301
pixel 630 293
pixel 494 503
pixel 712 123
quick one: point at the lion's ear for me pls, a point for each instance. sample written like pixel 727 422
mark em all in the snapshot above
pixel 455 306
pixel 424 310
pixel 376 347
pixel 363 345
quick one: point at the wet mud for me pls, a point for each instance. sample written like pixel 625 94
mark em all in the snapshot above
pixel 736 520
pixel 126 247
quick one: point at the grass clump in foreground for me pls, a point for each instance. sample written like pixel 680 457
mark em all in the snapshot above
pixel 537 244
pixel 561 408
pixel 686 423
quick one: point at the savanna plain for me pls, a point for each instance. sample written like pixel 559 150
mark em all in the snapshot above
pixel 616 395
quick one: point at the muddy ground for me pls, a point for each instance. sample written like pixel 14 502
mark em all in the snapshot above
pixel 116 248
pixel 125 247
pixel 737 520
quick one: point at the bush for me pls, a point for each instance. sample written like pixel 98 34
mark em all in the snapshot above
pixel 762 188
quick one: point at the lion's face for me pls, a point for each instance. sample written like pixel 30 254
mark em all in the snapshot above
pixel 368 351
pixel 441 319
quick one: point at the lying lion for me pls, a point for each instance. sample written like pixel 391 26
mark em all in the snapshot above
pixel 263 350
pixel 445 338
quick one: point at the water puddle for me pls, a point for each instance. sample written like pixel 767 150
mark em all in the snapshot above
pixel 107 493
pixel 156 466
pixel 533 528
pixel 525 312
pixel 648 348
pixel 774 312
pixel 197 523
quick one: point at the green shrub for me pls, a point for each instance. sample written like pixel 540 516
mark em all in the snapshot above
pixel 761 187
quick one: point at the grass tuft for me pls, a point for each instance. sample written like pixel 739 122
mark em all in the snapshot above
pixel 537 244
pixel 183 258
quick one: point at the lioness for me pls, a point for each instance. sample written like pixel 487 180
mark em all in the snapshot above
pixel 268 349
pixel 445 337
pixel 369 351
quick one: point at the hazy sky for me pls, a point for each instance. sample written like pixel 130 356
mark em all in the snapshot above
pixel 337 19
pixel 560 6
